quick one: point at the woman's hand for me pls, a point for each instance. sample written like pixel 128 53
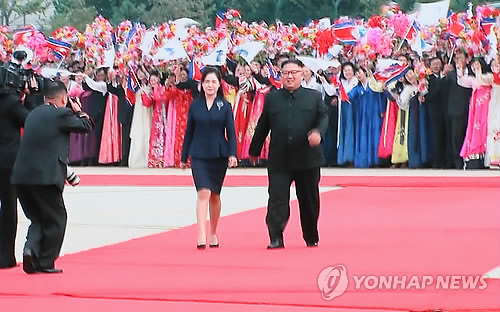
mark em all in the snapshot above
pixel 233 162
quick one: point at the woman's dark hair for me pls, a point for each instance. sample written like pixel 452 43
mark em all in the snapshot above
pixel 155 73
pixel 212 70
pixel 485 68
pixel 102 69
pixel 361 68
pixel 344 66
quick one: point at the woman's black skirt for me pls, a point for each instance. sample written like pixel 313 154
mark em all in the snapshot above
pixel 209 173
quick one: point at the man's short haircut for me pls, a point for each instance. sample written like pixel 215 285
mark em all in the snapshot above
pixel 435 58
pixel 293 61
pixel 53 88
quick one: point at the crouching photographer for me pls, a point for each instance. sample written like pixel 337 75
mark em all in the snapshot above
pixel 40 171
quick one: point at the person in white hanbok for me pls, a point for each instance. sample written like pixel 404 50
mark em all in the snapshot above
pixel 140 131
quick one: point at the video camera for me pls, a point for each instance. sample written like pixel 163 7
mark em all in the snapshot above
pixel 14 77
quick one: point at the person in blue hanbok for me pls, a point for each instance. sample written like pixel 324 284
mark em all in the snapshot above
pixel 368 99
pixel 345 140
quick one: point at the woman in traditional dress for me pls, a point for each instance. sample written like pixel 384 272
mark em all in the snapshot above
pixel 474 147
pixel 105 110
pixel 77 140
pixel 157 100
pixel 184 97
pixel 492 158
pixel 367 121
pixel 411 138
pixel 400 145
pixel 170 127
pixel 419 140
pixel 242 107
pixel 95 103
pixel 256 110
pixel 345 141
pixel 140 131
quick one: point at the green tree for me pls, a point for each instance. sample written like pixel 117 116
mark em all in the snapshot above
pixel 130 10
pixel 72 13
pixel 31 7
pixel 202 11
pixel 461 5
pixel 6 9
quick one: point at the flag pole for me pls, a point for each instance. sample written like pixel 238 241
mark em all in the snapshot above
pixel 452 52
pixel 404 38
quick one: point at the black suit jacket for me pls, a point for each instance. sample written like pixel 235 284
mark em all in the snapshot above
pixel 125 110
pixel 12 117
pixel 43 155
pixel 290 117
pixel 436 98
pixel 458 97
pixel 209 133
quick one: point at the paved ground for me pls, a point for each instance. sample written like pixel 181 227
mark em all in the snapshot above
pixel 100 216
pixel 324 171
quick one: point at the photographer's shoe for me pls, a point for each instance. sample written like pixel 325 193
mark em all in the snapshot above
pixel 49 270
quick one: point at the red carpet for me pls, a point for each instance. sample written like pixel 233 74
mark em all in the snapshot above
pixel 404 231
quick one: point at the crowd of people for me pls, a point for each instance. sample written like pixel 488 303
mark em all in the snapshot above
pixel 452 123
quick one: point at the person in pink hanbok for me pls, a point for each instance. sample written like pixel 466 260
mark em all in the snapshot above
pixel 171 99
pixel 474 146
pixel 109 146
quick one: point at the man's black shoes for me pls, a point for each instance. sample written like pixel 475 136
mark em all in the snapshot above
pixel 276 244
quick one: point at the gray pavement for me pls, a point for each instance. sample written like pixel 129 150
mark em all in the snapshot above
pixel 101 216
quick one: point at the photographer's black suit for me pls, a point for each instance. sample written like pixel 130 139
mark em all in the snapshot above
pixel 290 116
pixel 12 117
pixel 39 174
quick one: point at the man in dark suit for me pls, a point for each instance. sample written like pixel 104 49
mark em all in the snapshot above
pixel 125 113
pixel 297 118
pixel 12 117
pixel 39 174
pixel 437 107
pixel 458 107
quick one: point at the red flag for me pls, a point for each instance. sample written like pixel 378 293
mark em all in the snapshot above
pixel 340 89
pixel 23 35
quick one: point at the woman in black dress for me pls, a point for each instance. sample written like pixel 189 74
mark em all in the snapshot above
pixel 210 140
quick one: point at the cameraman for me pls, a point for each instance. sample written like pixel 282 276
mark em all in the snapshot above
pixel 12 117
pixel 39 174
